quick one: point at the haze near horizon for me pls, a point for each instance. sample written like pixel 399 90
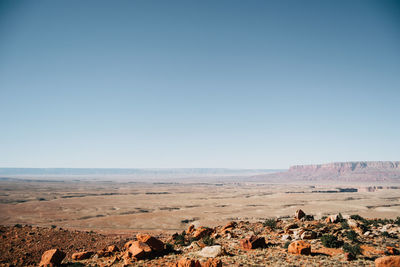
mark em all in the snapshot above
pixel 145 84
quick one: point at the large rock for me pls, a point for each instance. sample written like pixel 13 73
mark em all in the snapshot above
pixel 186 262
pixel 195 246
pixel 369 251
pixel 82 255
pixel 211 252
pixel 112 248
pixel 329 251
pixel 300 247
pixel 103 253
pixel 229 225
pixel 252 242
pixel 212 263
pixel 190 229
pixel 388 261
pixel 308 235
pixel 127 258
pixel 154 243
pixel 392 251
pixel 297 233
pixel 286 237
pixel 52 258
pixel 139 250
pixel 335 218
pixel 352 223
pixel 290 226
pixel 299 214
pixel 128 244
pixel 202 232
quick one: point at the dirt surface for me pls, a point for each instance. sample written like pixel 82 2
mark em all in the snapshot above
pixel 24 245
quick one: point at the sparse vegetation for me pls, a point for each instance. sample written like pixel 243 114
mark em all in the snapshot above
pixel 382 221
pixel 257 231
pixel 386 234
pixel 364 226
pixel 180 239
pixel 169 247
pixel 319 225
pixel 344 225
pixel 366 223
pixel 189 220
pixel 271 223
pixel 352 236
pixel 340 217
pixel 208 241
pixel 353 250
pixel 331 241
pixel 356 217
pixel 286 244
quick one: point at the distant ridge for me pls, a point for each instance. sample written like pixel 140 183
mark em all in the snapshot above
pixel 130 171
pixel 353 171
pixel 348 166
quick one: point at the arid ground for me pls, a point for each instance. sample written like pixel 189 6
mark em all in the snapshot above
pixel 172 206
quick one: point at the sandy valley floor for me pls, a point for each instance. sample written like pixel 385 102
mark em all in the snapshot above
pixel 120 206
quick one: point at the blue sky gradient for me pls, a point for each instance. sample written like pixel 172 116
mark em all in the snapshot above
pixel 236 84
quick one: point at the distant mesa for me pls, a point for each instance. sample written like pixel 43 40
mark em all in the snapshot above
pixel 342 167
pixel 357 171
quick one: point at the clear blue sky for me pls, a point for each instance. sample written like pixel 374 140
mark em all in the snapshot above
pixel 237 84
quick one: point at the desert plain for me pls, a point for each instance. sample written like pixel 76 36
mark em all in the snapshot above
pixel 121 206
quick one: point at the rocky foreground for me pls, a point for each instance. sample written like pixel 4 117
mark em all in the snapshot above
pixel 299 241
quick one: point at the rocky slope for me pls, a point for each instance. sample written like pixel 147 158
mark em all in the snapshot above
pixel 359 171
pixel 298 241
